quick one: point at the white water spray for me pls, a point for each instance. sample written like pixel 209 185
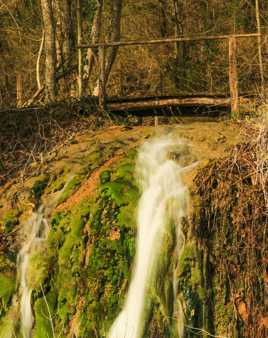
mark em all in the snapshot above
pixel 164 200
pixel 37 229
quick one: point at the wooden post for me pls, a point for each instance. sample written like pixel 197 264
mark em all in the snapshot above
pixel 102 81
pixel 19 89
pixel 233 79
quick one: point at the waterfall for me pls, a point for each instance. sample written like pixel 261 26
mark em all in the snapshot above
pixel 163 200
pixel 36 232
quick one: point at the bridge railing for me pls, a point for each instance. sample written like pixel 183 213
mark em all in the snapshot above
pixel 216 74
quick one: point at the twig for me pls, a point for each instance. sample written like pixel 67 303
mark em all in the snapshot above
pixel 199 330
pixel 49 313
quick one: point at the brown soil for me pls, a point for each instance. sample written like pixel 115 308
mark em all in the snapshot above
pixel 88 187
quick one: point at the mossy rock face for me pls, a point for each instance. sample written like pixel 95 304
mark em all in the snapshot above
pixel 10 220
pixel 7 288
pixel 39 265
pixel 190 278
pixel 70 187
pixel 87 257
pixel 39 187
pixel 43 309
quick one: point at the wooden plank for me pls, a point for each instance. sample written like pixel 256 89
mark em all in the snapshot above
pixel 233 79
pixel 160 103
pixel 168 40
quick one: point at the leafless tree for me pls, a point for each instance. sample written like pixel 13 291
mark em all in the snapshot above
pixel 50 49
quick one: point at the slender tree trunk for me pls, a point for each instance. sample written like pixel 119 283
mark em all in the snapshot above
pixel 79 40
pixel 50 49
pixel 58 35
pixel 257 5
pixel 233 78
pixel 177 26
pixel 39 59
pixel 95 36
pixel 65 6
pixel 115 35
pixel 163 17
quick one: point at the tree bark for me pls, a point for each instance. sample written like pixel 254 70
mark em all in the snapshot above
pixel 38 60
pixel 233 81
pixel 257 7
pixel 50 49
pixel 115 36
pixel 66 29
pixel 95 36
pixel 179 47
pixel 80 56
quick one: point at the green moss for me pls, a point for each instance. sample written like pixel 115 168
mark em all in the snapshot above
pixel 115 189
pixel 8 326
pixel 188 254
pixel 70 259
pixel 39 187
pixel 110 258
pixel 7 289
pixel 190 283
pixel 38 268
pixel 125 171
pixel 11 219
pixel 44 316
pixel 105 176
pixel 223 308
pixel 70 188
pixel 90 249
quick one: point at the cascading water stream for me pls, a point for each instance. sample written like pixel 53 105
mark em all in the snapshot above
pixel 163 200
pixel 37 229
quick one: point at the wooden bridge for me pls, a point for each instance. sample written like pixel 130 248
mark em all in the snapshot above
pixel 148 103
pixel 232 101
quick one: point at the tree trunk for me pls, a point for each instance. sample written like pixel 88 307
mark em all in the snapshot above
pixel 39 59
pixel 79 40
pixel 233 80
pixel 257 5
pixel 66 29
pixel 179 47
pixel 115 35
pixel 95 36
pixel 163 18
pixel 50 49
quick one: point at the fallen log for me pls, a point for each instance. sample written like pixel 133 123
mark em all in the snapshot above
pixel 158 103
